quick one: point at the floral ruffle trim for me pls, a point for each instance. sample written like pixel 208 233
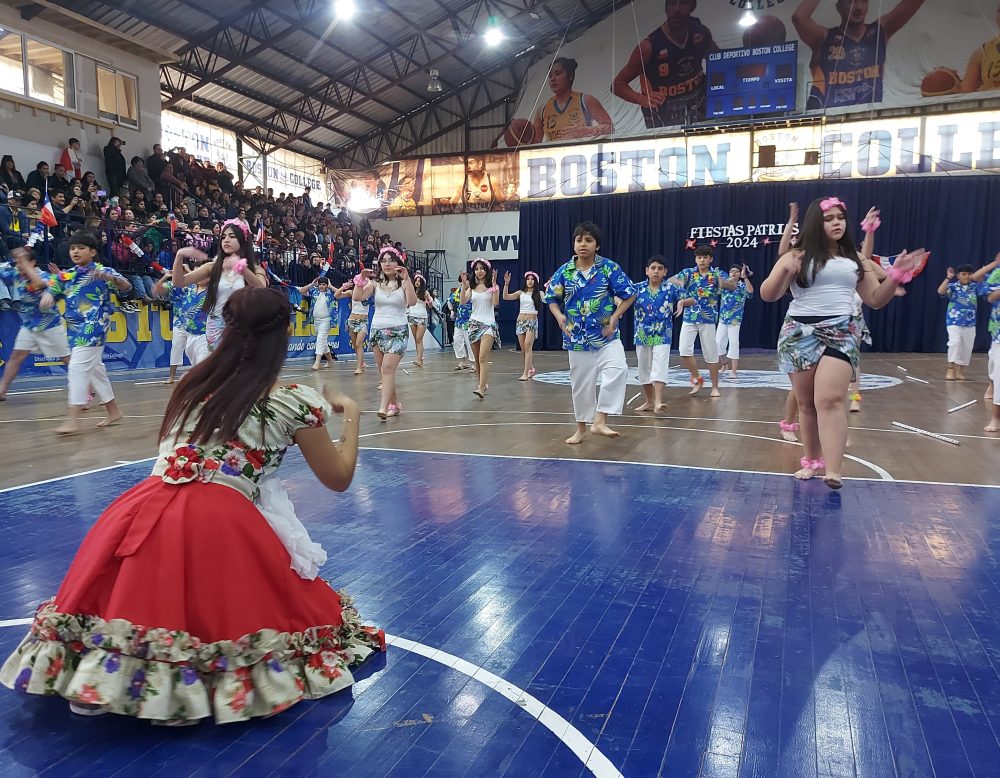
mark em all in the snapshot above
pixel 173 676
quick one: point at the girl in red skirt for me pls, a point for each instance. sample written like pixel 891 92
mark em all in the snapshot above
pixel 186 599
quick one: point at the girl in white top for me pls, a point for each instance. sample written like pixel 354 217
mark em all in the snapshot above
pixel 416 316
pixel 484 295
pixel 819 342
pixel 234 268
pixel 527 318
pixel 393 293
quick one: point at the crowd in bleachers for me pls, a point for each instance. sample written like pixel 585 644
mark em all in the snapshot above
pixel 168 200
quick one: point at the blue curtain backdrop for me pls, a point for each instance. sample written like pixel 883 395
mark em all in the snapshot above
pixel 956 217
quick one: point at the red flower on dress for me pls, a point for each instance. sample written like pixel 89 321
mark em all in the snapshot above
pixel 54 667
pixel 89 695
pixel 183 466
pixel 239 701
pixel 255 458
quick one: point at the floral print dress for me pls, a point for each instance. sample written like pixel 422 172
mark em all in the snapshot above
pixel 182 603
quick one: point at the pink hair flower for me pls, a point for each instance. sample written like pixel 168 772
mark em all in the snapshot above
pixel 831 202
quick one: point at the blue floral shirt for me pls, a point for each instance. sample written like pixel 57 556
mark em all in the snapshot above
pixel 962 301
pixel 178 305
pixel 589 301
pixel 733 302
pixel 32 317
pixel 88 303
pixel 195 317
pixel 463 312
pixel 705 289
pixel 993 282
pixel 654 314
pixel 314 294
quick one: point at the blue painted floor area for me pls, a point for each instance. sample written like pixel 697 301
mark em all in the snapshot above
pixel 687 623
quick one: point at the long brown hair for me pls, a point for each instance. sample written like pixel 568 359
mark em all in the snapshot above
pixel 239 374
pixel 246 251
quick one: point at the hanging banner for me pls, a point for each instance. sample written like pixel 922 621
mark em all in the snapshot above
pixel 142 340
pixel 655 65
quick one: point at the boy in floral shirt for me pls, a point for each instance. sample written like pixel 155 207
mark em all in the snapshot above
pixel 731 317
pixel 86 288
pixel 960 319
pixel 703 284
pixel 991 273
pixel 41 331
pixel 656 305
pixel 586 287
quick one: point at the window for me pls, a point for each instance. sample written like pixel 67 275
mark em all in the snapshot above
pixel 117 97
pixel 11 62
pixel 50 74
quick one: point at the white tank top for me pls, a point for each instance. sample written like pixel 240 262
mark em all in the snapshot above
pixel 390 309
pixel 527 303
pixel 482 308
pixel 831 292
pixel 359 307
pixel 229 282
pixel 419 310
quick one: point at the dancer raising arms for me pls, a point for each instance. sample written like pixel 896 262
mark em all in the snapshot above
pixel 393 293
pixel 820 338
pixel 235 267
pixel 416 316
pixel 484 295
pixel 189 601
pixel 527 319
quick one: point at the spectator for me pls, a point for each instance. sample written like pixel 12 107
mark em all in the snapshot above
pixel 10 176
pixel 58 180
pixel 39 177
pixel 114 165
pixel 139 180
pixel 72 159
pixel 14 225
pixel 156 162
pixel 170 187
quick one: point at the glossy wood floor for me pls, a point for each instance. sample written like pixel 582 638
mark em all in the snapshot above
pixel 734 432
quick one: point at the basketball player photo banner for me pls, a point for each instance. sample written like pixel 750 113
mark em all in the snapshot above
pixel 657 64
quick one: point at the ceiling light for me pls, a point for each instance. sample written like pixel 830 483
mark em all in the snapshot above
pixel 344 8
pixel 434 85
pixel 749 19
pixel 493 35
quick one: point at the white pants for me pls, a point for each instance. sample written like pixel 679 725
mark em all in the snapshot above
pixel 654 363
pixel 86 370
pixel 51 342
pixel 960 342
pixel 178 344
pixel 196 348
pixel 585 368
pixel 703 332
pixel 322 336
pixel 728 335
pixel 463 349
pixel 995 371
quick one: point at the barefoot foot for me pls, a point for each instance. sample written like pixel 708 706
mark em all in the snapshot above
pixel 661 408
pixel 809 468
pixel 833 480
pixel 789 436
pixel 522 378
pixel 644 408
pixel 605 430
pixel 111 419
pixel 992 427
pixel 715 393
pixel 950 375
pixel 68 428
pixel 576 439
pixel 696 384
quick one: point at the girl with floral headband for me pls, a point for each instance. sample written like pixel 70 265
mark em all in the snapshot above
pixel 819 342
pixel 484 295
pixel 196 593
pixel 527 319
pixel 392 291
pixel 416 316
pixel 234 268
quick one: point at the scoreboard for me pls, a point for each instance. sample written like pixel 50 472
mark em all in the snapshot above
pixel 750 81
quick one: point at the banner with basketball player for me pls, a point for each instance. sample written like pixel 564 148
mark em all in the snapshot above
pixel 479 183
pixel 658 64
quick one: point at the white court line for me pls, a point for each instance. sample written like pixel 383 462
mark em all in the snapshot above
pixel 74 475
pixel 880 471
pixel 36 391
pixel 589 754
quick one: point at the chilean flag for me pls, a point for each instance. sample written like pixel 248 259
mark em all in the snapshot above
pixel 260 232
pixel 48 216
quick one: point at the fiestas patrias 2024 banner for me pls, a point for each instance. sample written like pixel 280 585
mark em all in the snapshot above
pixel 644 68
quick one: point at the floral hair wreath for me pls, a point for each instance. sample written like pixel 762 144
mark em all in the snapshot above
pixel 831 202
pixel 419 275
pixel 535 275
pixel 237 223
pixel 392 250
pixel 480 259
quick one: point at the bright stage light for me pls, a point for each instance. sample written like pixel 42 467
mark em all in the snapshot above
pixel 493 35
pixel 749 19
pixel 345 9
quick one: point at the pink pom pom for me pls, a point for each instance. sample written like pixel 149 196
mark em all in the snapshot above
pixel 239 265
pixel 870 225
pixel 359 280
